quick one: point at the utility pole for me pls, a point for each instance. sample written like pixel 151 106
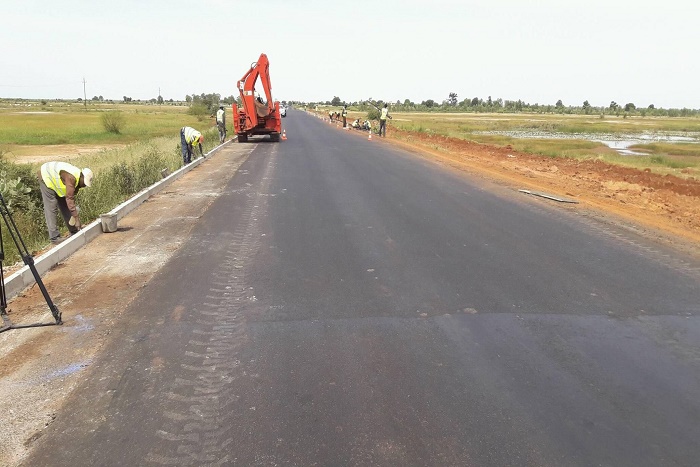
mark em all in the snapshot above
pixel 84 94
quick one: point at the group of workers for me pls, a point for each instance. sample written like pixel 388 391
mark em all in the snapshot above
pixel 60 182
pixel 366 125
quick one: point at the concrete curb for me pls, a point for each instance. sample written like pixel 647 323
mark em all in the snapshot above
pixel 23 278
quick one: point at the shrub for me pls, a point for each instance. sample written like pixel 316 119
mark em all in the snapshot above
pixel 198 110
pixel 20 191
pixel 113 121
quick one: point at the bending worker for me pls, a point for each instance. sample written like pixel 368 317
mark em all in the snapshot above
pixel 59 183
pixel 188 138
pixel 221 123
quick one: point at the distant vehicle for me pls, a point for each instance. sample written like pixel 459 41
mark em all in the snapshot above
pixel 283 111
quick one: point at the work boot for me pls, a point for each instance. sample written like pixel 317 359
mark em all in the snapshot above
pixel 57 240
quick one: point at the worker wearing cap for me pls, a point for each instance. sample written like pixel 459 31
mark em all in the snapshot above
pixel 221 123
pixel 188 138
pixel 59 183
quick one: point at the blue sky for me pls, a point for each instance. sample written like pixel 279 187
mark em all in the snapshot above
pixel 540 51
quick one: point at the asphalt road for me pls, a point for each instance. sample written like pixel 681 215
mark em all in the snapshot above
pixel 346 303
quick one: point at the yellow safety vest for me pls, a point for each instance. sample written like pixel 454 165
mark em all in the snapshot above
pixel 385 112
pixel 191 135
pixel 220 115
pixel 51 174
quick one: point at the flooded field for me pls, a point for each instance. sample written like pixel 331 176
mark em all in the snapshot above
pixel 620 142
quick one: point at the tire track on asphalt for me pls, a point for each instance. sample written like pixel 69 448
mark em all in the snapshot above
pixel 198 401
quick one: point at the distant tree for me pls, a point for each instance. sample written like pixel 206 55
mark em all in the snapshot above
pixel 188 98
pixel 475 102
pixel 198 110
pixel 586 107
pixel 614 105
pixel 629 107
pixel 127 99
pixel 95 98
pixel 101 99
pixel 336 101
pixel 407 102
pixel 452 98
pixel 429 103
pixel 489 102
pixel 651 107
pixel 559 104
pixel 160 99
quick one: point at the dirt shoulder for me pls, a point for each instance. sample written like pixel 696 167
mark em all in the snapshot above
pixel 39 367
pixel 663 207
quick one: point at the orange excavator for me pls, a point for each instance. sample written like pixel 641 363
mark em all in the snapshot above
pixel 257 117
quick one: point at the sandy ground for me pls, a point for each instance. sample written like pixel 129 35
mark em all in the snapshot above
pixel 40 367
pixel 28 154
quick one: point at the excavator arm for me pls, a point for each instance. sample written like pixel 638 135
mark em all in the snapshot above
pixel 257 117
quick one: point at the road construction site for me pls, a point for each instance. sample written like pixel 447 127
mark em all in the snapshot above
pixel 335 300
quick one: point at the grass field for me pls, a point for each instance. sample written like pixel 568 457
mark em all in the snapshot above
pixel 123 163
pixel 663 157
pixel 553 122
pixel 44 125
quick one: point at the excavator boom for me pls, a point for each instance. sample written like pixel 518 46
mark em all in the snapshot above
pixel 256 117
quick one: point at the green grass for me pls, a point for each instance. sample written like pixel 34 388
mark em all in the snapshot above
pixel 86 128
pixel 670 149
pixel 663 157
pixel 119 174
pixel 469 122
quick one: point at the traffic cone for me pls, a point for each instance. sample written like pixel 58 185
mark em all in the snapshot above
pixel 284 135
pixel 370 135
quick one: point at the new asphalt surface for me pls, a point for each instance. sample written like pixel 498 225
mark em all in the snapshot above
pixel 346 303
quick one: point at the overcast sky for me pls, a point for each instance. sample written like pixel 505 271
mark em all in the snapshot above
pixel 643 51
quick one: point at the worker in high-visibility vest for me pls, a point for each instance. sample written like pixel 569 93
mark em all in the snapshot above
pixel 221 123
pixel 344 114
pixel 382 120
pixel 59 182
pixel 188 138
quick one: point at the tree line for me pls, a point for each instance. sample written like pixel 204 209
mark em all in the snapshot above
pixel 478 104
